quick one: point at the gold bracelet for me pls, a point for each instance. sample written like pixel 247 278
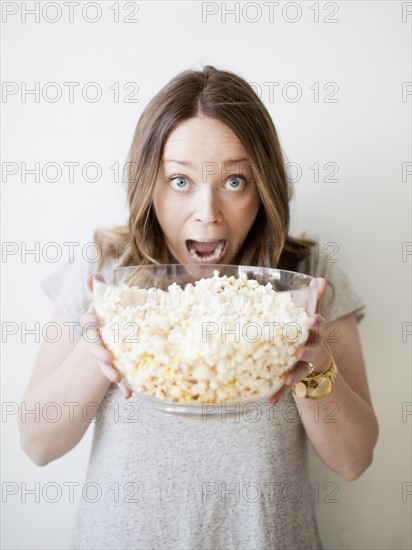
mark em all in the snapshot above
pixel 320 385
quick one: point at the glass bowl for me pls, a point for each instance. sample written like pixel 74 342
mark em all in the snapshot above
pixel 301 288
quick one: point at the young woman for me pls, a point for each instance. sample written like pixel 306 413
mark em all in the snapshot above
pixel 207 182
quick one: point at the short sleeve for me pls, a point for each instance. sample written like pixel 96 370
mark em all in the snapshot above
pixel 340 298
pixel 67 288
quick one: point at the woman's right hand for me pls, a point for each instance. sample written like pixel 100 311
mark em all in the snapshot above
pixel 90 325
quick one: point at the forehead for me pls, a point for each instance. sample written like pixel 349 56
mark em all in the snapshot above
pixel 199 136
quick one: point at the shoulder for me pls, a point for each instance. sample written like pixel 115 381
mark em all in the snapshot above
pixel 321 260
pixel 341 297
pixel 66 284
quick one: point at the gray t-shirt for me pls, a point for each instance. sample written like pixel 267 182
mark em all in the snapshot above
pixel 165 482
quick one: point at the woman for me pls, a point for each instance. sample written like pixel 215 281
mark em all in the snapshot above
pixel 206 180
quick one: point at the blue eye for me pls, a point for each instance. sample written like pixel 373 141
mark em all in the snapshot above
pixel 178 182
pixel 236 183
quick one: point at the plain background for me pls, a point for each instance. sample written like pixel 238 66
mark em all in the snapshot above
pixel 365 214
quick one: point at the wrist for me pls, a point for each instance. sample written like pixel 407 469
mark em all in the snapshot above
pixel 318 384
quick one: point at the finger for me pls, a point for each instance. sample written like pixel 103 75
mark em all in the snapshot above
pixel 311 353
pixel 301 370
pixel 125 390
pixel 274 400
pixel 110 372
pixel 316 326
pixel 91 332
pixel 297 372
pixel 89 282
pixel 89 316
pixel 97 347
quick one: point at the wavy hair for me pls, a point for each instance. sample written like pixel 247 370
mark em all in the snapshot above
pixel 225 96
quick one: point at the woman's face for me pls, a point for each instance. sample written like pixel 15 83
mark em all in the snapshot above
pixel 205 197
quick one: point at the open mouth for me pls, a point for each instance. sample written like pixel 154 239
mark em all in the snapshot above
pixel 206 251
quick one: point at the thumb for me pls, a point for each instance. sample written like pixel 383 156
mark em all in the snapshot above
pixel 89 280
pixel 322 286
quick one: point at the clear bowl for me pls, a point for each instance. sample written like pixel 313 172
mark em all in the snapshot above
pixel 301 287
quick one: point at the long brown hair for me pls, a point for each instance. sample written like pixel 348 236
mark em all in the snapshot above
pixel 230 99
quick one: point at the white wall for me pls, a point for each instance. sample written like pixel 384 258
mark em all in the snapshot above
pixel 366 213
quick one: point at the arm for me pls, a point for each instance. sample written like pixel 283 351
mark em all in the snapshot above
pixel 341 427
pixel 64 372
pixel 76 372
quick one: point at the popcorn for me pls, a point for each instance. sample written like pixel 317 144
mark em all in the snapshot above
pixel 221 339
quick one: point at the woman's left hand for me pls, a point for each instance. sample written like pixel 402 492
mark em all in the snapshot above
pixel 313 351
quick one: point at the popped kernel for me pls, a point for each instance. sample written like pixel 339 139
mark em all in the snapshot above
pixel 219 339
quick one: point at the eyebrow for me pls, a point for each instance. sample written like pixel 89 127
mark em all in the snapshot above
pixel 192 165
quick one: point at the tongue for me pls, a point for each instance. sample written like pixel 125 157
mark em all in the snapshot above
pixel 205 248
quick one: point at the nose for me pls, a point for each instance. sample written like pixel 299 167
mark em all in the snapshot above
pixel 207 209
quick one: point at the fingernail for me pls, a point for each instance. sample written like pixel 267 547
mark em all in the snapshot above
pixel 317 321
pixel 302 355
